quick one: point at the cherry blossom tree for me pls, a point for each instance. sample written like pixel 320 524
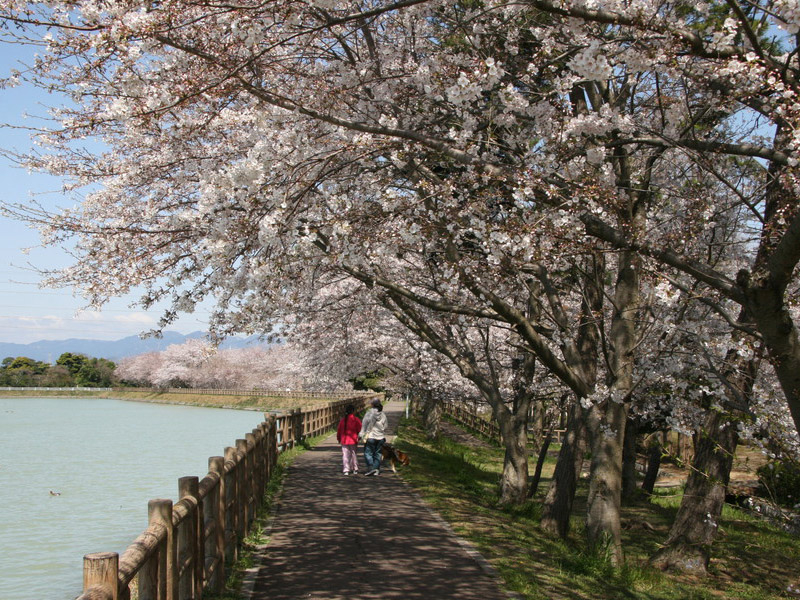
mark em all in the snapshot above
pixel 446 158
pixel 199 364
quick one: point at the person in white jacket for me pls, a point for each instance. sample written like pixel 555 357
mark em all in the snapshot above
pixel 373 432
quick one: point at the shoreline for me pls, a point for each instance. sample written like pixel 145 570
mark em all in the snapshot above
pixel 264 403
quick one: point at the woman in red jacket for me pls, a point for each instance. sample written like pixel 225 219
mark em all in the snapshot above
pixel 347 436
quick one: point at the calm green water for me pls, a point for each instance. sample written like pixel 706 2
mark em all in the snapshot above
pixel 106 459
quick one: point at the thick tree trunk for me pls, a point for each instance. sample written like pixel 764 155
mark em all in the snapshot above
pixel 765 300
pixel 514 479
pixel 688 546
pixel 629 476
pixel 536 424
pixel 765 288
pixel 431 416
pixel 561 495
pixel 607 423
pixel 605 484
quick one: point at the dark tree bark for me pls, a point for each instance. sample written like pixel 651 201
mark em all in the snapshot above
pixel 514 478
pixel 653 466
pixel 606 424
pixel 688 547
pixel 561 495
pixel 431 416
pixel 537 475
pixel 629 477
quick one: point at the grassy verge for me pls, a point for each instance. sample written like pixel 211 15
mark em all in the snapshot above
pixel 752 560
pixel 207 400
pixel 259 533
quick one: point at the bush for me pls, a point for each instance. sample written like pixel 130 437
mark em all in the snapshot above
pixel 781 479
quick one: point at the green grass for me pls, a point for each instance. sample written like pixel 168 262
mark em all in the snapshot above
pixel 751 559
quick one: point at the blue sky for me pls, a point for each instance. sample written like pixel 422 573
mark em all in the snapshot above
pixel 29 313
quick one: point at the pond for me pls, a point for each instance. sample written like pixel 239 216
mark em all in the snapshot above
pixel 76 476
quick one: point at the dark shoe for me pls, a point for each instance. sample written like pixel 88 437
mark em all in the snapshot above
pixel 370 472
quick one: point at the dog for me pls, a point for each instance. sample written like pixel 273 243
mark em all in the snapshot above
pixel 395 456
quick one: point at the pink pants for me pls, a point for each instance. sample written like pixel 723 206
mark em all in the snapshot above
pixel 349 458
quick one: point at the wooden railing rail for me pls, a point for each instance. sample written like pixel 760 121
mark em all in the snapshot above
pixel 488 428
pixel 469 419
pixel 235 392
pixel 187 545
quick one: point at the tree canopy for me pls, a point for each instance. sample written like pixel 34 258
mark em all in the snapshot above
pixel 597 195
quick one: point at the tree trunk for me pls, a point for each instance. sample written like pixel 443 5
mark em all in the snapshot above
pixel 561 495
pixel 607 423
pixel 653 466
pixel 765 300
pixel 688 546
pixel 514 433
pixel 629 476
pixel 537 475
pixel 607 433
pixel 514 479
pixel 536 424
pixel 431 416
pixel 765 288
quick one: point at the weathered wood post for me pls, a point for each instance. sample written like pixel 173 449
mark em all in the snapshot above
pixel 258 463
pixel 215 544
pixel 190 541
pixel 159 511
pixel 298 432
pixel 286 424
pixel 245 487
pixel 231 500
pixel 272 441
pixel 253 478
pixel 100 575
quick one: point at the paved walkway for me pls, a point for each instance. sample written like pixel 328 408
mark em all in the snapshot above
pixel 337 537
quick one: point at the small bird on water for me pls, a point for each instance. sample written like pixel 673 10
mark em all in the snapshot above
pixel 52 493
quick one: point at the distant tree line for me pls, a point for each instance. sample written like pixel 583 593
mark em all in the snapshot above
pixel 199 364
pixel 70 370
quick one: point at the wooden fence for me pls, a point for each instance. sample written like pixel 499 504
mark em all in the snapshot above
pixel 187 545
pixel 468 419
pixel 677 446
pixel 239 392
pixel 483 426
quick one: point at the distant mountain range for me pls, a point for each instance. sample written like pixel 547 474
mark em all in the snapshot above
pixel 50 350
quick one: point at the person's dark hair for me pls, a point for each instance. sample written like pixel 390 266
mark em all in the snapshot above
pixel 350 409
pixel 377 404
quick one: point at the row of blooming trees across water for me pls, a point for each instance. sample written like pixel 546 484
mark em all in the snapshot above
pixel 193 364
pixel 550 204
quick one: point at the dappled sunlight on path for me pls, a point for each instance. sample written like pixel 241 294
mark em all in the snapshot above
pixel 337 536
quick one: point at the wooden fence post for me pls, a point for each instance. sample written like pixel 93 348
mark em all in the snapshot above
pixel 160 511
pixel 245 487
pixel 100 572
pixel 254 477
pixel 232 493
pixel 299 429
pixel 286 422
pixel 190 541
pixel 215 544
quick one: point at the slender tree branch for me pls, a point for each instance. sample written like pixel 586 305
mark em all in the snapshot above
pixel 601 230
